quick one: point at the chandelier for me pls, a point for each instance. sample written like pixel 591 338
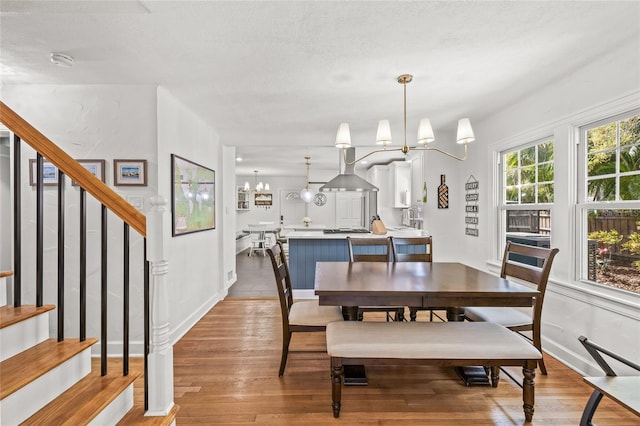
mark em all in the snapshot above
pixel 307 194
pixel 425 133
pixel 259 186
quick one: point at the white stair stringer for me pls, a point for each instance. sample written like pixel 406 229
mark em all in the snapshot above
pixel 116 409
pixel 23 335
pixel 22 404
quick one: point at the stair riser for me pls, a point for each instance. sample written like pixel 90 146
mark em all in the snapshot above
pixel 116 410
pixel 23 335
pixel 22 404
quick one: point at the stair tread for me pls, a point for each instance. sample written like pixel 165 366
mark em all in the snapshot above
pixel 84 400
pixel 25 367
pixel 136 416
pixel 10 315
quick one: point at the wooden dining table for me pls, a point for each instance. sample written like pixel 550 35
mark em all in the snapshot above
pixel 416 284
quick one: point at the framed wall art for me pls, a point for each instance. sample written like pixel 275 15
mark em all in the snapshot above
pixel 95 167
pixel 130 172
pixel 193 197
pixel 49 173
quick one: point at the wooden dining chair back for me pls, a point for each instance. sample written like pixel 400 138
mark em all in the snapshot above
pixel 300 316
pixel 373 249
pixel 526 263
pixel 369 249
pixel 414 249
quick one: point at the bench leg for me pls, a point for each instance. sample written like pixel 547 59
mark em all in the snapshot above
pixel 590 408
pixel 337 372
pixel 528 389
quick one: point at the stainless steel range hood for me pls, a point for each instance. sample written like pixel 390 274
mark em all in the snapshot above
pixel 348 181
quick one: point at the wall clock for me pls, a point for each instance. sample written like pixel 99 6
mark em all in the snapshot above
pixel 320 199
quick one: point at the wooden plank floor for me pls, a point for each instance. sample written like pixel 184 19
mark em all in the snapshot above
pixel 226 372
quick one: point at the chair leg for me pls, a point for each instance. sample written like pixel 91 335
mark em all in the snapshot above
pixel 430 315
pixel 286 338
pixel 537 342
pixel 413 313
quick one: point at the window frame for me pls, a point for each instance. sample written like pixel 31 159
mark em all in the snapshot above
pixel 583 204
pixel 503 206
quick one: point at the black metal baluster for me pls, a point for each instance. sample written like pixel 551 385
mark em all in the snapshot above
pixel 104 294
pixel 146 327
pixel 83 265
pixel 125 320
pixel 61 181
pixel 39 230
pixel 17 224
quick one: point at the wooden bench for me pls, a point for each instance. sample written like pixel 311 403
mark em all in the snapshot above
pixel 433 343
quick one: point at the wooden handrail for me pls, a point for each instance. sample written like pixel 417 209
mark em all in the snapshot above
pixel 5 274
pixel 70 167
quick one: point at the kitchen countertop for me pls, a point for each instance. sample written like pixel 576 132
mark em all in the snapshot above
pixel 319 235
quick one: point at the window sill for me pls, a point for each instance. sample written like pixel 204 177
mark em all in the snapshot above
pixel 610 298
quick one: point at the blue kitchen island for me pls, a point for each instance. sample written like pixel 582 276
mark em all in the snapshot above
pixel 308 247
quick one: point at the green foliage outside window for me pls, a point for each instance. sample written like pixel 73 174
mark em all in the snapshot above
pixel 529 174
pixel 613 156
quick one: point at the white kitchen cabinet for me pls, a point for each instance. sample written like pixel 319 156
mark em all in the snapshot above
pixel 417 180
pixel 400 184
pixel 378 175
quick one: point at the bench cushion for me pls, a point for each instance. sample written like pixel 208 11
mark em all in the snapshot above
pixel 308 312
pixel 422 340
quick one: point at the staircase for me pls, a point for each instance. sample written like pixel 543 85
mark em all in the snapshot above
pixel 49 380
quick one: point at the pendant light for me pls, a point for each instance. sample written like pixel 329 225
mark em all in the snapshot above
pixel 307 194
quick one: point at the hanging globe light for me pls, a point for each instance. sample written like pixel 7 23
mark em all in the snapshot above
pixel 307 194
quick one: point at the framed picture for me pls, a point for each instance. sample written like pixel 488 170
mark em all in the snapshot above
pixel 49 173
pixel 95 167
pixel 263 199
pixel 130 172
pixel 193 197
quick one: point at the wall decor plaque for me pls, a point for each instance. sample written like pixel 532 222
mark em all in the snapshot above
pixel 471 209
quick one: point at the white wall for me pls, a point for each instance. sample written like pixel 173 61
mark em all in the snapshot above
pixel 602 87
pixel 196 269
pixel 94 122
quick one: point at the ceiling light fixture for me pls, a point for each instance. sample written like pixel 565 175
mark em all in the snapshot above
pixel 307 194
pixel 61 59
pixel 425 133
pixel 260 187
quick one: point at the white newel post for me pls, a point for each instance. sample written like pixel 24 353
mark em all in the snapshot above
pixel 160 367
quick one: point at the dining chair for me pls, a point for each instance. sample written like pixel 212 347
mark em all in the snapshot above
pixel 414 249
pixel 373 250
pixel 527 263
pixel 257 236
pixel 300 316
pixel 270 237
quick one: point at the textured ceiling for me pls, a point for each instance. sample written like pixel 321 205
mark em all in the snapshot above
pixel 271 75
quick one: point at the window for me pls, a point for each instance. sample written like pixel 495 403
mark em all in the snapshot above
pixel 609 201
pixel 527 175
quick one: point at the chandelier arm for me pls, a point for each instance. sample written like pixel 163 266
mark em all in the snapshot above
pixel 431 148
pixel 349 163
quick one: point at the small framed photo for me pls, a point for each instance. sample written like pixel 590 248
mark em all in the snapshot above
pixel 95 167
pixel 49 173
pixel 130 172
